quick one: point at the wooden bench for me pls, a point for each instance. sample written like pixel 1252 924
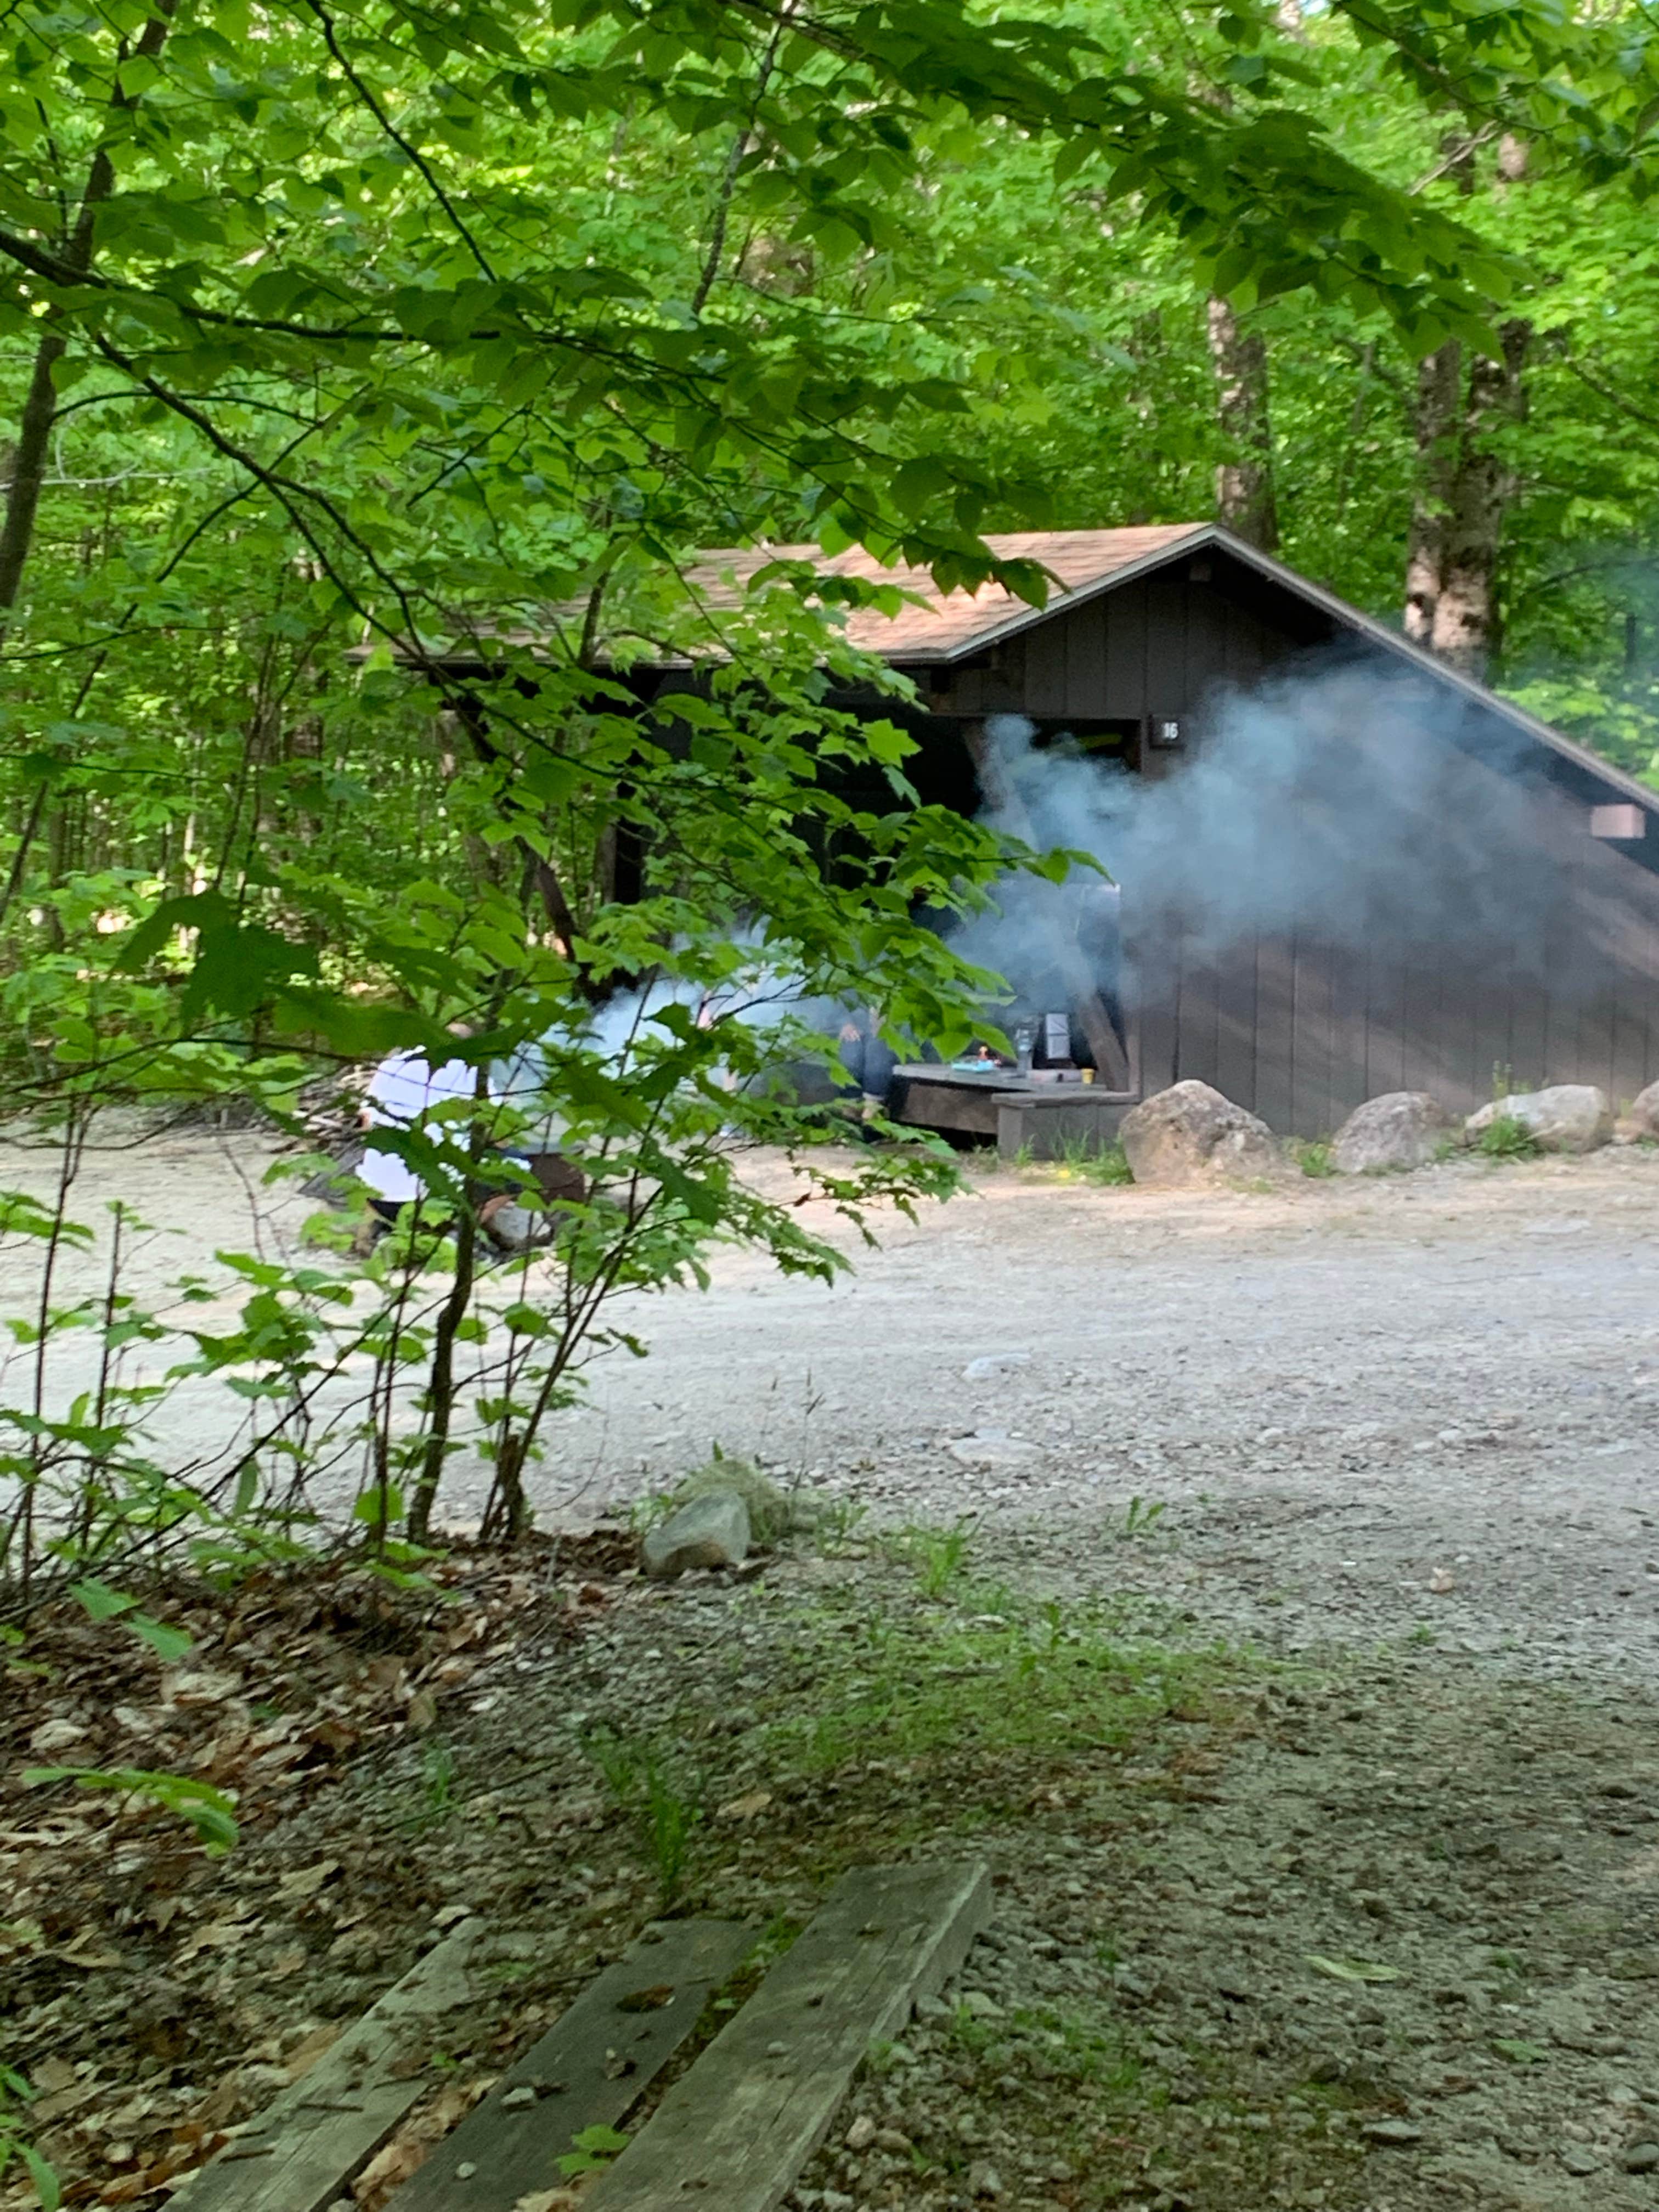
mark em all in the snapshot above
pixel 731 2135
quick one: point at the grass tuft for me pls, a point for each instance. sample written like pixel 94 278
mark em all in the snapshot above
pixel 666 1803
pixel 1505 1137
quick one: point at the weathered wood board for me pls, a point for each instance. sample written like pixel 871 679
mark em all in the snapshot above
pixel 315 2135
pixel 1041 1128
pixel 587 2071
pixel 733 2133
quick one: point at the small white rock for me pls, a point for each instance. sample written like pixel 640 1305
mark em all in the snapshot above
pixel 994 1363
pixel 55 1735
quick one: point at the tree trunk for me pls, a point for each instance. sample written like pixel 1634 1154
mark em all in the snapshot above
pixel 1439 378
pixel 441 1384
pixel 1244 499
pixel 1464 485
pixel 1464 488
pixel 28 462
pixel 1465 631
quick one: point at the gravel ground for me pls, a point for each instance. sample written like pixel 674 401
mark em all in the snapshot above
pixel 1346 1897
pixel 1376 1933
pixel 1366 1406
pixel 1348 1394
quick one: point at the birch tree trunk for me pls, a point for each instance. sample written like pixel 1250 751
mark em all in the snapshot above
pixel 1465 630
pixel 1244 499
pixel 1439 379
pixel 1464 485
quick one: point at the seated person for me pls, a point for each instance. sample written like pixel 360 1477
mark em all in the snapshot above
pixel 869 1062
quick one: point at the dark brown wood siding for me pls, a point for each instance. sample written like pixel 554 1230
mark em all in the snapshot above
pixel 1304 1024
pixel 1301 1026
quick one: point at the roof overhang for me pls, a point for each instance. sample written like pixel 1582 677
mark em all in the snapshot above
pixel 1416 657
pixel 1345 615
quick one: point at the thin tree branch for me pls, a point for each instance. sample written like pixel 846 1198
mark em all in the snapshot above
pixel 711 267
pixel 405 146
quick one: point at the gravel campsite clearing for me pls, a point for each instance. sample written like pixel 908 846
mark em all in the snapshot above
pixel 1264 1583
pixel 1366 1404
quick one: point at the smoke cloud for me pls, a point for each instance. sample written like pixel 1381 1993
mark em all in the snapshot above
pixel 1351 805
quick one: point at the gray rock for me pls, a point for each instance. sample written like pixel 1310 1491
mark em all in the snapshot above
pixel 1642 2158
pixel 710 1531
pixel 994 1363
pixel 1568 1117
pixel 1576 2159
pixel 1640 1123
pixel 1191 1134
pixel 991 1448
pixel 983 2179
pixel 1400 1129
pixel 515 1228
pixel 1400 2134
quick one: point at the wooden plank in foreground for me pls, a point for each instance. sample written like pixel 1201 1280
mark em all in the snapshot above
pixel 315 2135
pixel 587 2071
pixel 733 2133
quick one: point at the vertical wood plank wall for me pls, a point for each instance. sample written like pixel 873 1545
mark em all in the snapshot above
pixel 1302 1026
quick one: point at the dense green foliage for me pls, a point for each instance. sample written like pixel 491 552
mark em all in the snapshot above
pixel 368 361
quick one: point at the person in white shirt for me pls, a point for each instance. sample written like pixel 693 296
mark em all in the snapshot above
pixel 404 1086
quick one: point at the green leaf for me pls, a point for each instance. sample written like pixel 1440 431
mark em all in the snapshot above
pixel 169 1644
pixel 99 1601
pixel 378 1506
pixel 47 2185
pixel 594 2147
pixel 207 1810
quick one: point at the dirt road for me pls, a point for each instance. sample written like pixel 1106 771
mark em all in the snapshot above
pixel 1345 1398
pixel 1373 1933
pixel 1363 1406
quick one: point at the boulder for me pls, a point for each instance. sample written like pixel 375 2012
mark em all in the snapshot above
pixel 772 1512
pixel 709 1531
pixel 515 1228
pixel 1400 1129
pixel 1569 1117
pixel 1191 1134
pixel 1639 1123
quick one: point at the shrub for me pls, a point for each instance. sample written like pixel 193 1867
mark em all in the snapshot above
pixel 1506 1137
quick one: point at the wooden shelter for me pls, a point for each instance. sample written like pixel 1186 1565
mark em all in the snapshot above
pixel 1151 639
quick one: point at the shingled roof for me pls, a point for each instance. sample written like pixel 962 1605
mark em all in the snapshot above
pixel 948 625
